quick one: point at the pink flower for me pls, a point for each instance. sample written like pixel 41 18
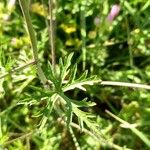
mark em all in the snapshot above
pixel 113 13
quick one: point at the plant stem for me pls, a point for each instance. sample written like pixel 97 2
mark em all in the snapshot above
pixel 109 143
pixel 18 69
pixel 19 138
pixel 131 127
pixel 74 139
pixel 125 84
pixel 51 34
pixel 83 34
pixel 129 44
pixel 25 11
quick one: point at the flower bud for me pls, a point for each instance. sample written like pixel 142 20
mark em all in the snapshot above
pixel 113 13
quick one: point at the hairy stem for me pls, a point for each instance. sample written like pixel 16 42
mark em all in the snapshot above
pixel 51 33
pixel 125 84
pixel 83 34
pixel 109 143
pixel 25 11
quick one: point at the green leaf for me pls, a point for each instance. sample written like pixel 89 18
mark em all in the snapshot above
pixel 86 118
pixel 69 114
pixel 64 66
pixel 79 84
pixel 81 124
pixel 69 109
pixel 83 76
pixel 53 77
pixel 44 92
pixel 83 103
pixel 73 74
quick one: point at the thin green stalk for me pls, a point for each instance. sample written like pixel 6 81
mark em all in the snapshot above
pixel 129 44
pixel 74 139
pixel 83 34
pixel 19 138
pixel 28 143
pixel 17 69
pixel 125 84
pixel 109 143
pixel 51 33
pixel 25 11
pixel 141 135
